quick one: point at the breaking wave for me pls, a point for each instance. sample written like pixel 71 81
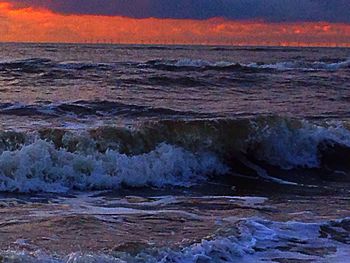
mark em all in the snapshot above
pixel 168 153
pixel 195 64
pixel 318 65
pixel 42 167
pixel 292 144
pixel 42 65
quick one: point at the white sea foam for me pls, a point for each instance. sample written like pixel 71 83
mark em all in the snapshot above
pixel 261 241
pixel 39 166
pixel 332 66
pixel 256 241
pixel 283 65
pixel 195 63
pixel 291 65
pixel 277 66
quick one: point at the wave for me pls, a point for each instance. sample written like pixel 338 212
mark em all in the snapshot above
pixel 191 64
pixel 297 144
pixel 249 240
pixel 38 65
pixel 45 66
pixel 284 142
pixel 260 240
pixel 30 66
pixel 307 66
pixel 174 81
pixel 171 153
pixel 89 108
pixel 197 64
pixel 73 65
pixel 42 167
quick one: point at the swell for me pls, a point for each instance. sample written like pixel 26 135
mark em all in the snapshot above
pixel 194 65
pixel 173 81
pixel 259 49
pixel 174 153
pixel 90 108
pixel 197 64
pixel 47 66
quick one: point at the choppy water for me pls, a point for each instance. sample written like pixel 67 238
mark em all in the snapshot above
pixel 173 81
pixel 106 117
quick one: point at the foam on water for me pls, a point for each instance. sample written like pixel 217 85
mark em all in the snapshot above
pixel 292 65
pixel 177 154
pixel 185 62
pixel 164 153
pixel 39 166
pixel 283 65
pixel 263 241
pixel 201 63
pixel 256 241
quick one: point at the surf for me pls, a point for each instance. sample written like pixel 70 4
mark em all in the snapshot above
pixel 171 153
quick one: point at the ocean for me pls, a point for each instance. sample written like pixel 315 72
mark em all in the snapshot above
pixel 143 153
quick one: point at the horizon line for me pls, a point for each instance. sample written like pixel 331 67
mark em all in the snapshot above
pixel 104 42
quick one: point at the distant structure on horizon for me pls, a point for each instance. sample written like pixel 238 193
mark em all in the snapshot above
pixel 207 42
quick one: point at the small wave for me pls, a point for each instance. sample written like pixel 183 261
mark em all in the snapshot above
pixel 42 65
pixel 197 64
pixel 318 65
pixel 19 109
pixel 194 64
pixel 31 66
pixel 163 80
pixel 39 65
pixel 89 108
pixel 84 66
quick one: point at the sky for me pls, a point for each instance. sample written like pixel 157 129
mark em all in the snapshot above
pixel 237 22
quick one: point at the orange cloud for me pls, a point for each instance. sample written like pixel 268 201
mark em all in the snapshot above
pixel 37 25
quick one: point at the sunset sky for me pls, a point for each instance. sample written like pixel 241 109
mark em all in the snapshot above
pixel 237 22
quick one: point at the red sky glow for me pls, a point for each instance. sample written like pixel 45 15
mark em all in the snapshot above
pixel 33 24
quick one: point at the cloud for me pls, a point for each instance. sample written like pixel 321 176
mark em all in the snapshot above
pixel 267 10
pixel 39 25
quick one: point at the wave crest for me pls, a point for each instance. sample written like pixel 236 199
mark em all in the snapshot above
pixel 40 166
pixel 198 64
pixel 296 144
pixel 46 66
pixel 177 153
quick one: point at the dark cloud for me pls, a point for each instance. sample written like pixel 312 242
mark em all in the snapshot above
pixel 269 10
